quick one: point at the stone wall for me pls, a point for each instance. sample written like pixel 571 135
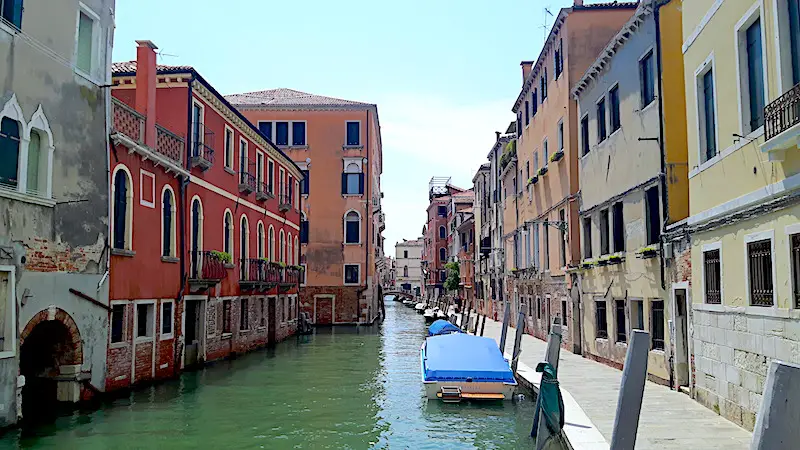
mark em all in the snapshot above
pixel 345 304
pixel 733 347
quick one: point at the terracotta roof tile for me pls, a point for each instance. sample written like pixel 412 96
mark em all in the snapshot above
pixel 130 66
pixel 287 97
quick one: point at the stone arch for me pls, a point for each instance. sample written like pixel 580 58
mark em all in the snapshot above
pixel 74 352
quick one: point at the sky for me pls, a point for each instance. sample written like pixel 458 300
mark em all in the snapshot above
pixel 444 73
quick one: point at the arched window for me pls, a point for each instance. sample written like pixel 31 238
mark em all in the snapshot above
pixel 196 236
pixel 405 271
pixel 271 243
pixel 12 122
pixel 244 245
pixel 168 222
pixel 227 233
pixel 442 254
pixel 289 252
pixel 442 233
pixel 283 247
pixel 121 231
pixel 352 228
pixel 296 251
pixel 303 228
pixel 39 167
pixel 260 240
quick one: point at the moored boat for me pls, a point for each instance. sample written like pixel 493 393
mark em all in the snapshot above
pixel 420 307
pixel 458 366
pixel 430 314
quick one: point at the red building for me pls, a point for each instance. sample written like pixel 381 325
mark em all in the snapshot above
pixel 435 251
pixel 205 223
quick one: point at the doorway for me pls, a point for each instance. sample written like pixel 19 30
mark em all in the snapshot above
pixel 681 336
pixel 194 353
pixel 323 309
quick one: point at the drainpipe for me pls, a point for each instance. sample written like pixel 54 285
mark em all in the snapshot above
pixel 662 176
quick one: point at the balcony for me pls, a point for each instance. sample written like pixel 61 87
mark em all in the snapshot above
pixel 292 275
pixel 202 146
pixel 247 181
pixel 128 128
pixel 207 269
pixel 127 121
pixel 381 221
pixel 284 202
pixel 259 274
pixel 782 124
pixel 263 191
pixel 169 144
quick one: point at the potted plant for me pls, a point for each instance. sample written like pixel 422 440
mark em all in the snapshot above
pixel 603 261
pixel 615 259
pixel 542 171
pixel 557 156
pixel 225 257
pixel 587 264
pixel 648 252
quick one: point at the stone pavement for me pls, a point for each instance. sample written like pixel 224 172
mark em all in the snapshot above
pixel 669 419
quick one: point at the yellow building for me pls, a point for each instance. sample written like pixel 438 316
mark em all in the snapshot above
pixel 741 69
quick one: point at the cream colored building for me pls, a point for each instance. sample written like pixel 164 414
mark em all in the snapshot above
pixel 408 257
pixel 741 72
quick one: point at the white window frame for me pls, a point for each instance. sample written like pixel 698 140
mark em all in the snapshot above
pixel 244 252
pixel 261 236
pixel 172 245
pixel 201 135
pixel 282 188
pixel 304 280
pixel 344 274
pixel 259 165
pixel 608 107
pixel 129 207
pixel 707 248
pixel 602 98
pixel 360 141
pixel 783 49
pixel 344 220
pixel 291 134
pixel 41 125
pixel 271 243
pixel 142 175
pixel 232 232
pixel 699 73
pixel 272 129
pixel 125 335
pixel 282 245
pixel 790 231
pixel 199 225
pixel 171 335
pixel 545 153
pixel 740 46
pixel 92 75
pixel 11 312
pixel 648 51
pixel 296 256
pixel 243 145
pixel 228 149
pixel 289 249
pixel 152 325
pixel 270 170
pixel 560 135
pixel 754 237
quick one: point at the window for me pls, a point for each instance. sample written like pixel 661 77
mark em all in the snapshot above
pixel 260 170
pixel 794 38
pixel 122 210
pixel 657 324
pixel 585 135
pixel 558 58
pixel 282 248
pixel 405 271
pixel 266 129
pixel 351 274
pixel 167 318
pixel 546 245
pixel 539 307
pixel 85 53
pixel 296 257
pixel 534 103
pixel 712 275
pixel 228 148
pixel 306 182
pixel 289 250
pixel 562 238
pixel 543 84
pixel 519 124
pixel 12 12
pixel 637 314
pixel 604 231
pixel 353 180
pixel 647 79
pixel 271 177
pixel 9 152
pixel 442 276
pixel 227 233
pixel 546 158
pixel 226 316
pixel 619 228
pixel 260 243
pixel 536 262
pixel 560 135
pixel 405 254
pixel 303 229
pixel 527 113
pixel 754 76
pixel 613 99
pixel 117 323
pixel 442 232
pixel 601 120
pixel 144 320
pixel 168 223
pixel 299 133
pixel 271 243
pixel 353 134
pixel 442 211
pixel 795 257
pixel 759 268
pixel 244 315
pixel 352 228
pixel 601 321
pixel 34 163
pixel 653 216
pixel 442 255
pixel 281 133
pixel 619 308
pixel 563 312
pixel 244 243
pixel 587 237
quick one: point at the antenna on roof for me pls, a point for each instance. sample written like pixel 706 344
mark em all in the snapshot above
pixel 162 54
pixel 544 22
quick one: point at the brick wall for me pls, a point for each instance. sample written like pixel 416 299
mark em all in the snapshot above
pixel 45 256
pixel 346 300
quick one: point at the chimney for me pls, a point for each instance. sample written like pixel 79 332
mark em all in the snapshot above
pixel 578 2
pixel 146 88
pixel 526 69
pixel 496 136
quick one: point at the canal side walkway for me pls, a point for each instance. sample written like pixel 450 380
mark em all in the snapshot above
pixel 669 419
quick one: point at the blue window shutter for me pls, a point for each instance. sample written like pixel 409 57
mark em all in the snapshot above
pixel 344 183
pixel 120 208
pixel 361 183
pixel 16 13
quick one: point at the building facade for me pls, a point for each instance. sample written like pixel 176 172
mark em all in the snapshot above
pixel 741 74
pixel 54 198
pixel 541 179
pixel 622 196
pixel 436 252
pixel 408 263
pixel 214 229
pixel 337 144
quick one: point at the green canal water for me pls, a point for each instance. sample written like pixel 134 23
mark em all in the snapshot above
pixel 353 388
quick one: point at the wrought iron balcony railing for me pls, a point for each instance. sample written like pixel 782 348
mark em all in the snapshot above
pixel 285 202
pixel 263 190
pixel 207 265
pixel 783 113
pixel 292 275
pixel 202 146
pixel 247 181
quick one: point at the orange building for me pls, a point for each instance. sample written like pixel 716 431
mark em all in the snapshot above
pixel 337 144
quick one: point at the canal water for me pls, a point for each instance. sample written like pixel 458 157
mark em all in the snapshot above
pixel 353 388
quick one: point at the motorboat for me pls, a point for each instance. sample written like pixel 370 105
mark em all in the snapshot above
pixel 456 366
pixel 441 315
pixel 420 307
pixel 409 303
pixel 430 314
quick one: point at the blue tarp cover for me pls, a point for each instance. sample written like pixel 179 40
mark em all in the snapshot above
pixel 457 357
pixel 442 326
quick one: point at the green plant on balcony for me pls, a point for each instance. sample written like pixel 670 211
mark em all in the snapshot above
pixel 509 153
pixel 557 156
pixel 542 171
pixel 281 264
pixel 649 251
pixel 588 263
pixel 615 259
pixel 298 268
pixel 223 256
pixel 603 260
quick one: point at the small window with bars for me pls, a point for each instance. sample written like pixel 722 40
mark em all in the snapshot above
pixel 759 255
pixel 622 334
pixel 795 242
pixel 601 321
pixel 657 324
pixel 712 276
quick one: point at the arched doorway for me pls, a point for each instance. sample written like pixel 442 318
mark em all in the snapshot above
pixel 51 354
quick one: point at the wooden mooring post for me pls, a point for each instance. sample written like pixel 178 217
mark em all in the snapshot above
pixel 504 330
pixel 483 324
pixel 518 341
pixel 629 405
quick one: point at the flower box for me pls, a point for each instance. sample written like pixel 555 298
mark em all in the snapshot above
pixel 588 264
pixel 604 261
pixel 557 156
pixel 615 259
pixel 533 180
pixel 647 252
pixel 542 171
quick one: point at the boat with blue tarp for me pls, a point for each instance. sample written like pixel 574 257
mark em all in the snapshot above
pixel 457 366
pixel 441 327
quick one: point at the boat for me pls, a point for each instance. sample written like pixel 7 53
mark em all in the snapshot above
pixel 430 314
pixel 457 366
pixel 442 327
pixel 420 307
pixel 441 315
pixel 409 303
